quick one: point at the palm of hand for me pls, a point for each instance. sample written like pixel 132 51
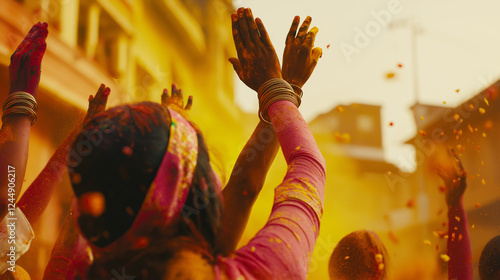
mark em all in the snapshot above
pixel 257 61
pixel 24 69
pixel 300 57
pixel 98 102
pixel 176 101
pixel 253 64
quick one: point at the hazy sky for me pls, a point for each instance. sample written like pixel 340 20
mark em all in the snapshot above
pixel 458 47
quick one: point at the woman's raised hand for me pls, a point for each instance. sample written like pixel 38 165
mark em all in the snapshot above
pixel 257 61
pixel 176 101
pixel 300 56
pixel 455 179
pixel 98 102
pixel 25 62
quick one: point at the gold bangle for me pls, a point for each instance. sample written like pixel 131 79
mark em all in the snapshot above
pixel 23 110
pixel 20 102
pixel 276 90
pixel 19 96
pixel 298 89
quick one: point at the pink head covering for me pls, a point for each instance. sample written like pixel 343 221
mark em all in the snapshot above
pixel 167 195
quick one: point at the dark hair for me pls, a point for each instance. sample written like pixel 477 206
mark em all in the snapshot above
pixel 151 262
pixel 203 205
pixel 121 152
pixel 355 257
pixel 489 262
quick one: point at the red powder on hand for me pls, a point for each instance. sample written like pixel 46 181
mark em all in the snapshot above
pixel 25 67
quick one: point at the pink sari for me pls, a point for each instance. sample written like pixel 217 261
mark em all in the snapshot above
pixel 161 208
pixel 284 247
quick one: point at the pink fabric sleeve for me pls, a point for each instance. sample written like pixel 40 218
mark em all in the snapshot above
pixel 71 254
pixel 283 248
pixel 459 251
pixel 36 198
pixel 66 262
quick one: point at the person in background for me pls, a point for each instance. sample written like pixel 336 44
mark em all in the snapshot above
pixel 359 255
pixel 458 243
pixel 19 114
pixel 25 76
pixel 489 262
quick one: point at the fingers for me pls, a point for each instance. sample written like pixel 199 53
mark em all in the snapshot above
pixel 457 163
pixel 101 96
pixel 36 39
pixel 237 66
pixel 176 93
pixel 34 49
pixel 254 32
pixel 189 103
pixel 455 155
pixel 310 37
pixel 165 98
pixel 317 53
pixel 28 37
pixel 39 53
pixel 180 97
pixel 303 29
pixel 98 102
pixel 30 41
pixel 44 32
pixel 100 89
pixel 176 97
pixel 238 41
pixel 293 30
pixel 264 36
pixel 245 33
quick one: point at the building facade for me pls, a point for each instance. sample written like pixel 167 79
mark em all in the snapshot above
pixel 135 47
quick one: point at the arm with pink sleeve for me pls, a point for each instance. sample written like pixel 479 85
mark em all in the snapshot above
pixel 459 251
pixel 283 248
pixel 70 254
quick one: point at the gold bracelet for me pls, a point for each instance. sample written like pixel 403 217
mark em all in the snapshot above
pixel 276 90
pixel 23 110
pixel 20 102
pixel 298 89
pixel 18 97
pixel 17 102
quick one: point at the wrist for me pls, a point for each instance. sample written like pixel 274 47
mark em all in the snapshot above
pixel 275 90
pixel 455 203
pixel 292 80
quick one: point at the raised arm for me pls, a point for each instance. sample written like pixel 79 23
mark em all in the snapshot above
pixel 37 196
pixel 19 114
pixel 69 251
pixel 244 185
pixel 251 168
pixel 282 249
pixel 458 247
